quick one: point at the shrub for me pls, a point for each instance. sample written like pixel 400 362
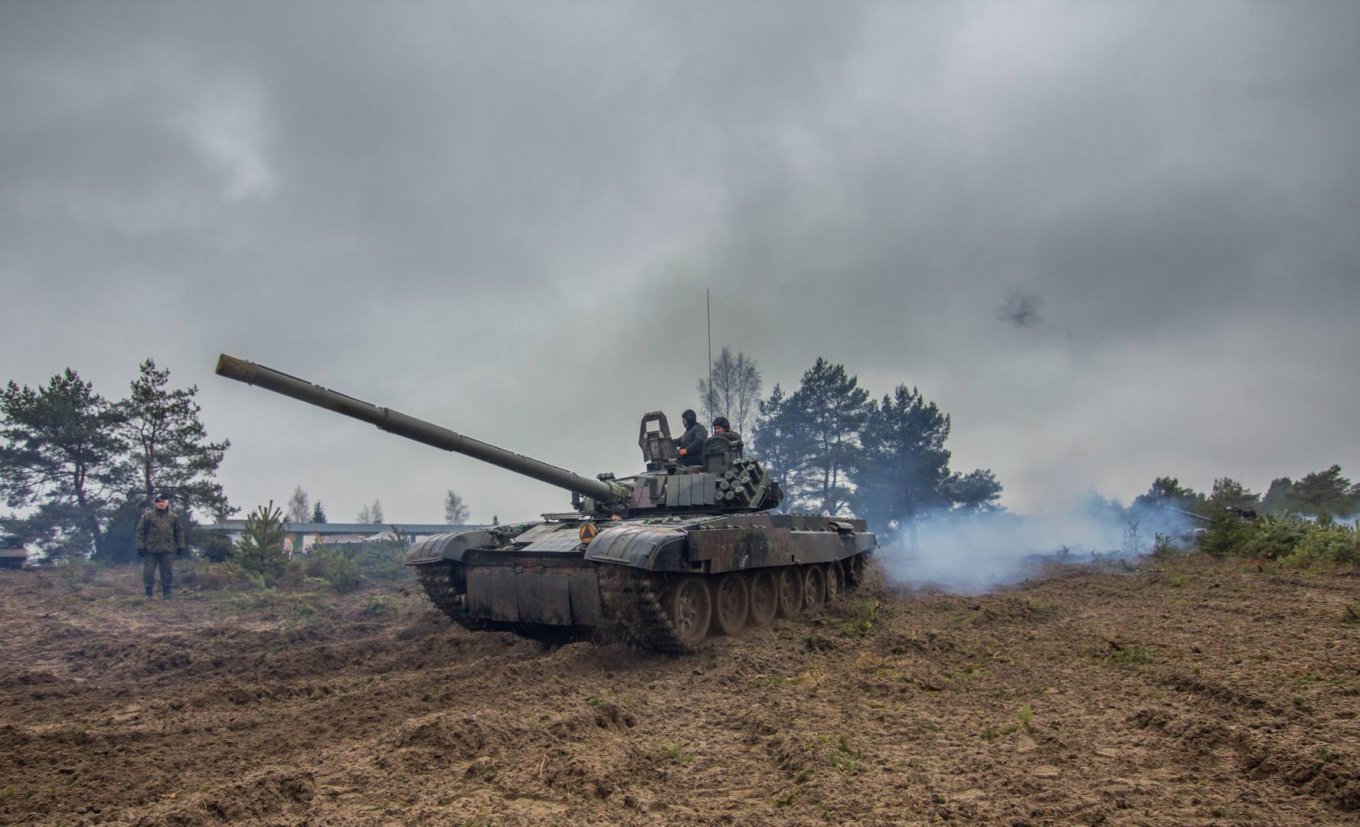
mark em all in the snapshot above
pixel 336 565
pixel 1326 543
pixel 1275 538
pixel 1296 542
pixel 212 577
pixel 1164 546
pixel 348 567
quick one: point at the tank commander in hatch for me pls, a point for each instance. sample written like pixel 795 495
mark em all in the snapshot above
pixel 159 534
pixel 691 442
pixel 723 428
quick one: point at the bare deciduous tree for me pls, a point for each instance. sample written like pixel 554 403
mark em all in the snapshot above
pixel 734 392
pixel 455 510
pixel 299 506
pixel 372 513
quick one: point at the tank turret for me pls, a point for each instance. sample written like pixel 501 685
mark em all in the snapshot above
pixel 726 481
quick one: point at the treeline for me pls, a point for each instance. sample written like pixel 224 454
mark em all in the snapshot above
pixel 301 510
pixel 1319 494
pixel 1299 522
pixel 837 450
pixel 84 467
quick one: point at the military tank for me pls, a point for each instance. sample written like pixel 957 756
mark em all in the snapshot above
pixel 12 553
pixel 663 558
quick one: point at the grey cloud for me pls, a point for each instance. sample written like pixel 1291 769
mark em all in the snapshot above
pixel 504 216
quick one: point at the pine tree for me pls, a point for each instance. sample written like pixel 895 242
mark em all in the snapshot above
pixel 1279 497
pixel 978 490
pixel 170 446
pixel 62 452
pixel 773 444
pixel 825 415
pixel 903 471
pixel 318 513
pixel 1326 492
pixel 260 549
pixel 1230 494
pixel 1167 492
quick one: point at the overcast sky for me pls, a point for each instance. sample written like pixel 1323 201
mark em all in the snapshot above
pixel 1113 240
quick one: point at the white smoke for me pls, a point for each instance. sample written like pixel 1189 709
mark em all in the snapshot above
pixel 974 553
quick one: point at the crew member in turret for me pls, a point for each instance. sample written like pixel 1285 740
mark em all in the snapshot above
pixel 722 428
pixel 159 535
pixel 691 442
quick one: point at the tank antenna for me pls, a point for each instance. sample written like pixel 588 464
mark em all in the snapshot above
pixel 708 313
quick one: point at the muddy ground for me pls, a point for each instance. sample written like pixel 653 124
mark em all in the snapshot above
pixel 1186 692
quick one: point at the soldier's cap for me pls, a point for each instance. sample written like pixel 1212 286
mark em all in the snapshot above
pixel 162 496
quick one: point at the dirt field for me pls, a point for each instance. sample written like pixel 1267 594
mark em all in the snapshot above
pixel 1190 692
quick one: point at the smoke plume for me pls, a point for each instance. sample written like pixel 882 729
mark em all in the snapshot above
pixel 975 553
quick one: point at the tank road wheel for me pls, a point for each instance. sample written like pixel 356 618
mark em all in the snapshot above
pixel 790 584
pixel 835 581
pixel 854 570
pixel 688 607
pixel 764 590
pixel 731 603
pixel 814 587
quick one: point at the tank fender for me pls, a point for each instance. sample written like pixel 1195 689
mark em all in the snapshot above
pixel 649 547
pixel 450 546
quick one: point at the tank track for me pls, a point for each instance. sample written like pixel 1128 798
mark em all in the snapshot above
pixel 632 598
pixel 631 601
pixel 437 580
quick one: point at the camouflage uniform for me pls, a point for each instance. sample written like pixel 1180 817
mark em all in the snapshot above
pixel 159 535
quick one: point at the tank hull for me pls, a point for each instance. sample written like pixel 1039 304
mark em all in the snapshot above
pixel 12 553
pixel 660 584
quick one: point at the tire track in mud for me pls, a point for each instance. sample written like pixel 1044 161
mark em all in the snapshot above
pixel 1230 717
pixel 272 695
pixel 1010 707
pixel 1088 636
pixel 1265 740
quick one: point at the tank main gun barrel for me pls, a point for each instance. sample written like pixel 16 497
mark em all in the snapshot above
pixel 419 430
pixel 1192 515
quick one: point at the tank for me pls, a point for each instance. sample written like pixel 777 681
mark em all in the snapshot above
pixel 662 559
pixel 12 553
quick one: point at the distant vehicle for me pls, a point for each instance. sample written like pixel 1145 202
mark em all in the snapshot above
pixel 12 553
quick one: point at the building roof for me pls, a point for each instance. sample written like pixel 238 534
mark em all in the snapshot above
pixel 232 526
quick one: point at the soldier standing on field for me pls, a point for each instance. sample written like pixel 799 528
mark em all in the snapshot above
pixel 159 534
